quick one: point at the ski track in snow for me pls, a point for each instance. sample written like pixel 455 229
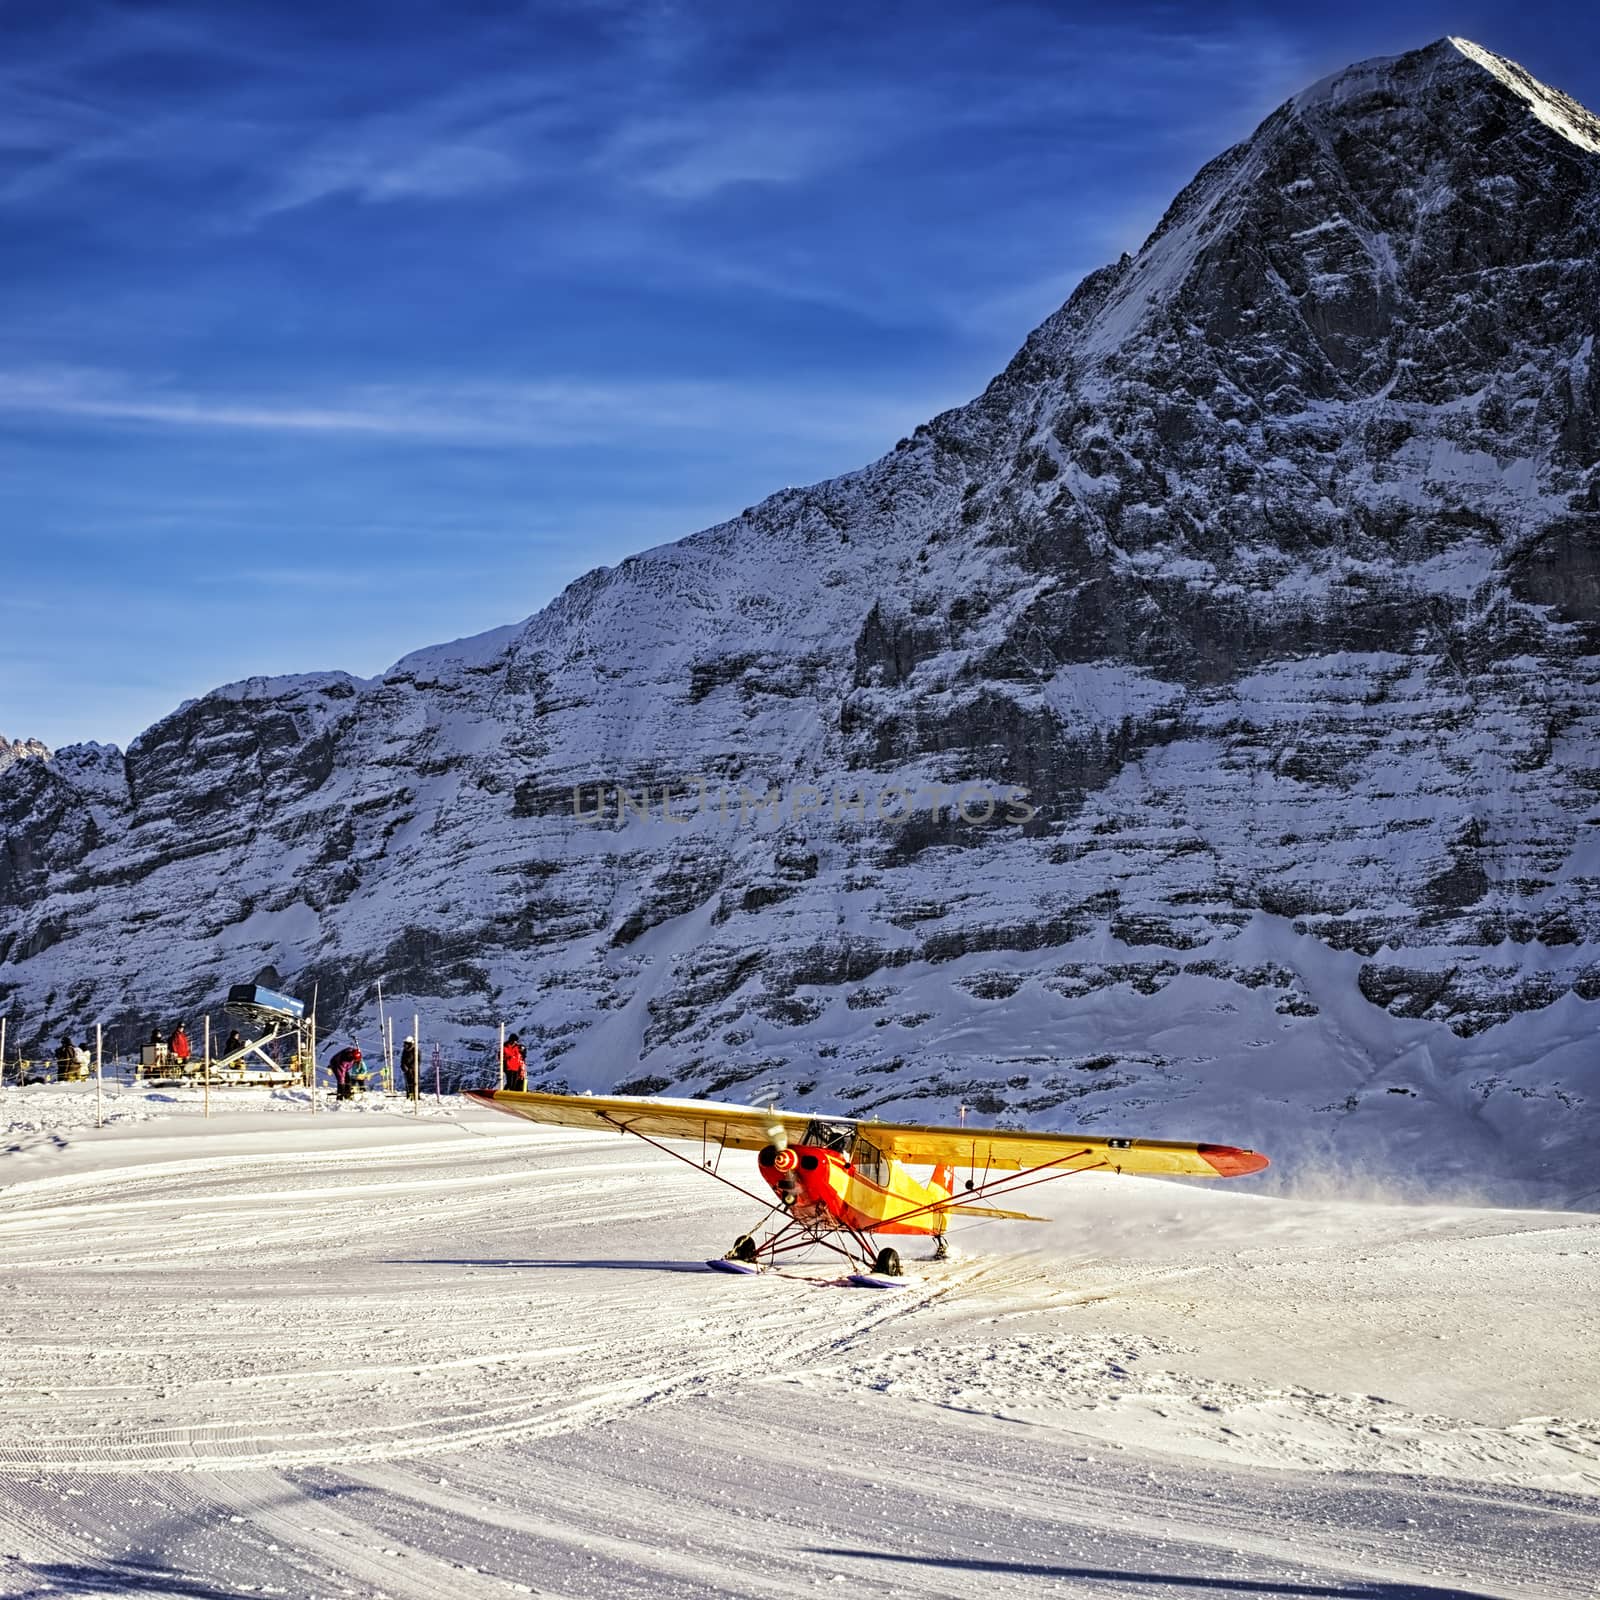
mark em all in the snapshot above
pixel 369 1354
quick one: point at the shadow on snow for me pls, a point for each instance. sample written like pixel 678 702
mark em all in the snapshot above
pixel 612 1265
pixel 1358 1589
pixel 53 1578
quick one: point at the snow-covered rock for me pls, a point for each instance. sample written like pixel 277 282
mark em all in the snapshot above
pixel 14 750
pixel 1198 730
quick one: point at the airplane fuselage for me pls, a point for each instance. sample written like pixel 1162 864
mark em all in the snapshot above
pixel 818 1186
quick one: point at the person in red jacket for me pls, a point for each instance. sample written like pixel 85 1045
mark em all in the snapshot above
pixel 515 1065
pixel 178 1046
pixel 346 1068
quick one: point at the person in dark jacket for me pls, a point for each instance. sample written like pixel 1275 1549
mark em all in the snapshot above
pixel 408 1066
pixel 515 1065
pixel 344 1066
pixel 233 1042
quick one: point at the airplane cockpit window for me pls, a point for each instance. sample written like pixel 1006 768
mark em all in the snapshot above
pixel 829 1135
pixel 869 1163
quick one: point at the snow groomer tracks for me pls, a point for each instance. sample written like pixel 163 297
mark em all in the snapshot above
pixel 273 1308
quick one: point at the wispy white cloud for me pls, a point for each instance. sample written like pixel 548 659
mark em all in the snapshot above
pixel 532 126
pixel 653 111
pixel 692 153
pixel 488 135
pixel 431 172
pixel 369 577
pixel 553 413
pixel 63 120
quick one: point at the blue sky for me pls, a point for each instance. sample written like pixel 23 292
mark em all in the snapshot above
pixel 331 332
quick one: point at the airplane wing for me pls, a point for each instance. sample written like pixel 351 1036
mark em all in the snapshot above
pixel 1009 1149
pixel 971 1149
pixel 736 1127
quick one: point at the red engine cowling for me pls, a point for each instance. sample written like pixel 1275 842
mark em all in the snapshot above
pixel 802 1178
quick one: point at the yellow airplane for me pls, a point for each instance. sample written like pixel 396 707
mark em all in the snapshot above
pixel 839 1182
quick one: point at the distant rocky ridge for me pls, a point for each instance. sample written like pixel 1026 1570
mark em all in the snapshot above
pixel 1269 570
pixel 12 750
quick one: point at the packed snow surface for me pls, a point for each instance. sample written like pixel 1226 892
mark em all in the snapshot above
pixel 377 1353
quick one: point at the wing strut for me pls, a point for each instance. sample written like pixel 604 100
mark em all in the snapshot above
pixel 709 1171
pixel 1010 1184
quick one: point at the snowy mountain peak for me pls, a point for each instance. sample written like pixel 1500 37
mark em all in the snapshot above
pixel 1438 70
pixel 1553 108
pixel 14 750
pixel 1296 248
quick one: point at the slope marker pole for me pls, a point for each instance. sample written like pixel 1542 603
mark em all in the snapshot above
pixel 383 1038
pixel 311 1054
pixel 416 1069
pixel 208 1065
pixel 99 1089
pixel 502 1055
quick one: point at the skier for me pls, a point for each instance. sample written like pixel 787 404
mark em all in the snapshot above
pixel 515 1065
pixel 66 1061
pixel 343 1066
pixel 178 1047
pixel 408 1066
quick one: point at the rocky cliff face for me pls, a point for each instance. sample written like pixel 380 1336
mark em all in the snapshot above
pixel 1203 720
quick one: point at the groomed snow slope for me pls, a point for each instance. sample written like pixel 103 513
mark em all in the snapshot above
pixel 447 1356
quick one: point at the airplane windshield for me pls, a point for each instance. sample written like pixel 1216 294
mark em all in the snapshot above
pixel 829 1135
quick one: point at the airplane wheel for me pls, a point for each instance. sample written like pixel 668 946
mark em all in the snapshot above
pixel 744 1249
pixel 887 1263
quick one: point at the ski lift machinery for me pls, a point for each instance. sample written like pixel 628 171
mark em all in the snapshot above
pixel 280 1016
